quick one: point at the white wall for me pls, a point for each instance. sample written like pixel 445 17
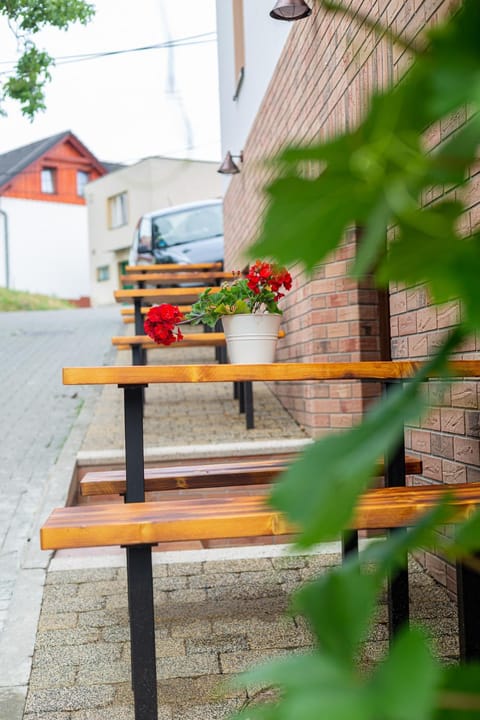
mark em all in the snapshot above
pixel 150 184
pixel 264 41
pixel 48 248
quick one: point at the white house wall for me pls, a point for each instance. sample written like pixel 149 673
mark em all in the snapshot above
pixel 264 41
pixel 150 184
pixel 48 248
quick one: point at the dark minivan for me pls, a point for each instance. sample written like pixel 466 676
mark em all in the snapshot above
pixel 191 233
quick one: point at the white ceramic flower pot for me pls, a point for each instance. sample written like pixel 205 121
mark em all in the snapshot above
pixel 251 338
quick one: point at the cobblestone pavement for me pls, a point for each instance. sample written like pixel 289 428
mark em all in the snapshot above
pixel 214 619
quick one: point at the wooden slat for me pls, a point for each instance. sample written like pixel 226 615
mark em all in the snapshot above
pixel 125 342
pixel 138 523
pixel 172 267
pixel 130 311
pixel 145 374
pixel 211 339
pixel 178 277
pixel 203 475
pixel 234 516
pixel 161 295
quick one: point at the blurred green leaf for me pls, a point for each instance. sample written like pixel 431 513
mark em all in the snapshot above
pixel 339 606
pixel 404 686
pixel 313 686
pixel 459 696
pixel 467 537
pixel 319 491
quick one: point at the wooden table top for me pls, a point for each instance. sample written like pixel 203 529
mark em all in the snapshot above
pixel 145 374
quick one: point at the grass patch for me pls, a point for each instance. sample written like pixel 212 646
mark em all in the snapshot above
pixel 11 300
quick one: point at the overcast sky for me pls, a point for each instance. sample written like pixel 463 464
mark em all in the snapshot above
pixel 132 105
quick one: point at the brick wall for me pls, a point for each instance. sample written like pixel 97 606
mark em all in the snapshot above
pixel 328 70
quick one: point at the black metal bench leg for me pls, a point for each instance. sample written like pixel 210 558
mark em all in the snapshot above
pixel 142 631
pixel 398 587
pixel 398 598
pixel 248 400
pixel 468 592
pixel 241 397
pixel 349 543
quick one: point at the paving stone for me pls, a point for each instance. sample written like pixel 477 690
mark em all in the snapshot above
pixel 116 712
pixel 188 666
pixel 191 628
pixel 57 621
pixel 54 675
pixel 105 673
pixel 212 711
pixel 71 636
pixel 180 691
pixel 104 618
pixel 217 644
pixel 71 698
pixel 102 588
pixel 241 661
pixel 78 654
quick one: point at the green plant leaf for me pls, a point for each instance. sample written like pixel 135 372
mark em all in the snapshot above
pixel 467 537
pixel 319 491
pixel 459 696
pixel 404 686
pixel 313 686
pixel 340 606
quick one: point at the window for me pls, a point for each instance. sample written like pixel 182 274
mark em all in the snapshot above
pixel 117 210
pixel 48 180
pixel 82 180
pixel 103 273
pixel 239 45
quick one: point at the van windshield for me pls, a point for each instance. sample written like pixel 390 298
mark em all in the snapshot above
pixel 187 226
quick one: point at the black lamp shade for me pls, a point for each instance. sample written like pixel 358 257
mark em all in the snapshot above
pixel 228 167
pixel 290 10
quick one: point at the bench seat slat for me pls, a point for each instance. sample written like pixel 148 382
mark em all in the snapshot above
pixel 163 521
pixel 233 516
pixel 178 477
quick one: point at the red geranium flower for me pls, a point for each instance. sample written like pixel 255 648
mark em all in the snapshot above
pixel 160 324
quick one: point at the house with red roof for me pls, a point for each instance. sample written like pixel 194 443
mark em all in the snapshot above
pixel 43 217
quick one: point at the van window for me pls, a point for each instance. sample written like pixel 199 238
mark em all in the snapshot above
pixel 187 226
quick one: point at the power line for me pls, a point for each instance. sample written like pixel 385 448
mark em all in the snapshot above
pixel 180 42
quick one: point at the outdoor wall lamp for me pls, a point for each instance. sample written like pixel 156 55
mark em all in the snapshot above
pixel 228 167
pixel 290 10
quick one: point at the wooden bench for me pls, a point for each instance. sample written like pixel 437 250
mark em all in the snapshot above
pixel 172 267
pixel 128 317
pixel 137 525
pixel 171 279
pixel 237 516
pixel 201 475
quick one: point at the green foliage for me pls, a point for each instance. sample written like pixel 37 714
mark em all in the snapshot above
pixel 26 18
pixel 377 177
pixel 231 299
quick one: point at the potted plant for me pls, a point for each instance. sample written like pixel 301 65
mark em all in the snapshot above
pixel 247 306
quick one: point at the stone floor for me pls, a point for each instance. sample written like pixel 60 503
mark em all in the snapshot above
pixel 214 619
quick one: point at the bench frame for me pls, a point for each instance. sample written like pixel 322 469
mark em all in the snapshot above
pixel 133 380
